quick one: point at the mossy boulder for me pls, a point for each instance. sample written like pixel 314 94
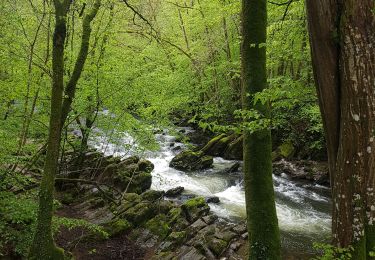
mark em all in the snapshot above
pixel 117 227
pixel 217 246
pixel 195 208
pixel 191 161
pixel 132 174
pixel 152 195
pixel 140 213
pixel 226 146
pixel 145 166
pixel 177 237
pixel 159 226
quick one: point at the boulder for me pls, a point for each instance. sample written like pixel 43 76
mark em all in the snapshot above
pixel 140 213
pixel 174 192
pixel 159 226
pixel 213 199
pixel 132 174
pixel 152 195
pixel 145 166
pixel 117 227
pixel 195 208
pixel 191 161
pixel 217 246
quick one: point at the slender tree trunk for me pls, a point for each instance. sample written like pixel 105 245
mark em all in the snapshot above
pixel 342 38
pixel 71 86
pixel 43 246
pixel 262 223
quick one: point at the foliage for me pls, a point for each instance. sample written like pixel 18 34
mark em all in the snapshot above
pixel 330 252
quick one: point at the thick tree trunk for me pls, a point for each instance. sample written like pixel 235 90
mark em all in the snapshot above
pixel 262 224
pixel 43 246
pixel 343 55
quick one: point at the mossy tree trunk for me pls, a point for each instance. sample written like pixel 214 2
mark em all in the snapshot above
pixel 43 246
pixel 342 38
pixel 262 223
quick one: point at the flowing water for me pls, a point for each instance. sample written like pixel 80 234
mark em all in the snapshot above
pixel 303 209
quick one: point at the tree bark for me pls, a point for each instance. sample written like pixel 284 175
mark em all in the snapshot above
pixel 43 246
pixel 70 89
pixel 262 223
pixel 342 38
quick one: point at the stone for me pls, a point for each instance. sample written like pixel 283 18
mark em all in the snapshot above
pixel 195 208
pixel 190 253
pixel 227 236
pixel 152 195
pixel 174 192
pixel 196 226
pixel 140 213
pixel 117 227
pixel 217 246
pixel 145 166
pixel 239 229
pixel 159 226
pixel 177 237
pixel 191 161
pixel 209 219
pixel 213 199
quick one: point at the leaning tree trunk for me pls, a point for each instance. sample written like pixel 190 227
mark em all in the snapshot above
pixel 43 246
pixel 262 224
pixel 342 37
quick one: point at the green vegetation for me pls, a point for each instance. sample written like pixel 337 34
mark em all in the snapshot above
pixel 76 72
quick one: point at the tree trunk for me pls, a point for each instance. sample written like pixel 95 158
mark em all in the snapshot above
pixel 43 246
pixel 262 223
pixel 342 38
pixel 71 87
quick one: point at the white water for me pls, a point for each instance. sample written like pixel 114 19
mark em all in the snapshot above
pixel 302 209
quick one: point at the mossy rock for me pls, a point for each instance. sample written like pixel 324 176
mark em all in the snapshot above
pixel 140 213
pixel 141 182
pixel 159 226
pixel 145 166
pixel 152 195
pixel 191 161
pixel 177 237
pixel 67 198
pixel 174 214
pixel 217 246
pixel 130 160
pixel 195 208
pixel 129 200
pixel 117 227
pixel 207 149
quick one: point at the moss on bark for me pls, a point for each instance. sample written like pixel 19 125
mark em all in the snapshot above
pixel 262 223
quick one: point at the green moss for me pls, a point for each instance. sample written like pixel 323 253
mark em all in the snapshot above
pixel 140 213
pixel 159 226
pixel 217 246
pixel 287 149
pixel 195 202
pixel 177 237
pixel 174 214
pixel 212 142
pixel 118 226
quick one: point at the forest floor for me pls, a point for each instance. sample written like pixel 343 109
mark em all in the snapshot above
pixel 82 247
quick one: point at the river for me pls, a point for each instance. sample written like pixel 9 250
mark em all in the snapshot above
pixel 303 208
